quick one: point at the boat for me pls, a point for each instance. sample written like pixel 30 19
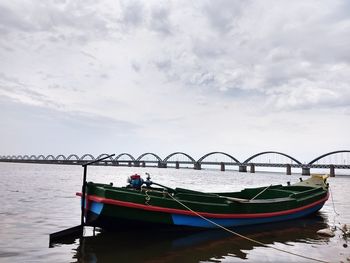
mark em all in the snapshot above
pixel 143 203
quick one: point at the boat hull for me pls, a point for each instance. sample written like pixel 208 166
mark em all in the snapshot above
pixel 158 219
pixel 119 207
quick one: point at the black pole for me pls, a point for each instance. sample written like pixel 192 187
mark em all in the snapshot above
pixel 76 231
pixel 83 196
pixel 84 186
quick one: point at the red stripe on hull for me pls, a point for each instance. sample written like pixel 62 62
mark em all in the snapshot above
pixel 209 215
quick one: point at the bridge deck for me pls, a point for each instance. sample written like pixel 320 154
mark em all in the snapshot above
pixel 163 165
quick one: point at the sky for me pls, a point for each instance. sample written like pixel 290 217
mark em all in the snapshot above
pixel 240 77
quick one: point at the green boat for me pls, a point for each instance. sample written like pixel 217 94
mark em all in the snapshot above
pixel 148 204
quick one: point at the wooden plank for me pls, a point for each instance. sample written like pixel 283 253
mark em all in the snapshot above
pixel 69 233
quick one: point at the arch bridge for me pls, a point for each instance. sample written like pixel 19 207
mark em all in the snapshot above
pixel 332 160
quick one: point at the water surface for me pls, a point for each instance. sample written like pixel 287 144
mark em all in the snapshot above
pixel 40 199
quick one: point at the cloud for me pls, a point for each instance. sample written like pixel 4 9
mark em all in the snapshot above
pixel 163 64
pixel 132 13
pixel 283 53
pixel 135 66
pixel 38 129
pixel 14 89
pixel 9 20
pixel 61 21
pixel 182 71
pixel 160 21
pixel 223 13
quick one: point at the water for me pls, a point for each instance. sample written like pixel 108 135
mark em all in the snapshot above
pixel 37 200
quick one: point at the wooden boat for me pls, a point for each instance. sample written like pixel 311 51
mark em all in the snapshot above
pixel 140 204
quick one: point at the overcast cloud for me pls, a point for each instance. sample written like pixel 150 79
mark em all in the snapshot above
pixel 166 76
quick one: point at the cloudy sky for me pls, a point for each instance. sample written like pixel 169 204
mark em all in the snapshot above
pixel 165 76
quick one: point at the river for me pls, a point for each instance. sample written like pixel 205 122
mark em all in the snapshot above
pixel 38 199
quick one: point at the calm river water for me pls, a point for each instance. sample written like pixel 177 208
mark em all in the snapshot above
pixel 37 200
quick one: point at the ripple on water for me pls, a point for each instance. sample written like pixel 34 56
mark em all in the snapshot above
pixel 43 203
pixel 4 254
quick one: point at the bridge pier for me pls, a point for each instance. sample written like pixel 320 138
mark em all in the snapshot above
pixel 177 165
pixel 242 168
pixel 222 167
pixel 143 164
pixel 288 169
pixel 162 165
pixel 197 166
pixel 252 168
pixel 129 164
pixel 331 170
pixel 137 164
pixel 305 171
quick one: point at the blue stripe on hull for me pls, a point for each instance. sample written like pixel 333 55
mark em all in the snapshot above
pixel 96 207
pixel 93 206
pixel 196 221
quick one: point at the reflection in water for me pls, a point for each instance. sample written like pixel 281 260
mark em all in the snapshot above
pixel 192 246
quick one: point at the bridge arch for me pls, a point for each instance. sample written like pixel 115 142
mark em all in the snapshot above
pixel 49 157
pixel 180 153
pixel 87 155
pixel 124 154
pixel 212 153
pixel 32 157
pixel 326 154
pixel 26 157
pixel 73 156
pixel 60 156
pixel 145 154
pixel 104 155
pixel 268 152
pixel 41 157
pixel 12 157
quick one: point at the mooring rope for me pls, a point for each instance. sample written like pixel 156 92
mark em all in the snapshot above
pixel 244 237
pixel 329 187
pixel 334 227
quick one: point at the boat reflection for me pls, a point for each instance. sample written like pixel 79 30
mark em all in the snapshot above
pixel 189 246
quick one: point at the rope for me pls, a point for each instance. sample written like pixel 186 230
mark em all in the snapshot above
pixel 334 227
pixel 260 192
pixel 147 198
pixel 329 187
pixel 244 237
